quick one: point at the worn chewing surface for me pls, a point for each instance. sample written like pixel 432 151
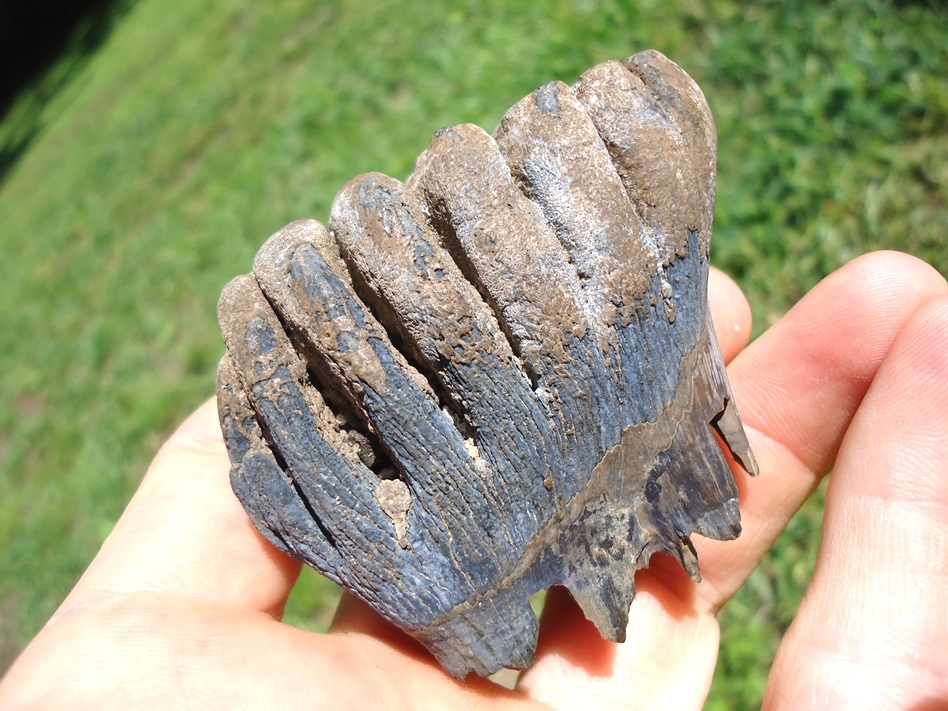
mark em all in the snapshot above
pixel 498 376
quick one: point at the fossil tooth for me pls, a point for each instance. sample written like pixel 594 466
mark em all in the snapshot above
pixel 498 376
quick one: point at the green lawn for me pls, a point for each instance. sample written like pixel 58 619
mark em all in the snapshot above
pixel 139 178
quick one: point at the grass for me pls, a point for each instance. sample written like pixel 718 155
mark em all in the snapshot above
pixel 141 176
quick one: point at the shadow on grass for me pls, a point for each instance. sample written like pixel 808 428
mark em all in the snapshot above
pixel 44 48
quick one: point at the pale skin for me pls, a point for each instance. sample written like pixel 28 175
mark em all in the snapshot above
pixel 181 608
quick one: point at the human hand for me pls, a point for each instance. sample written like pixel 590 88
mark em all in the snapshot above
pixel 182 605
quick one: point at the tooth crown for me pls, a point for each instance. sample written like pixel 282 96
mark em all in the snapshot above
pixel 498 376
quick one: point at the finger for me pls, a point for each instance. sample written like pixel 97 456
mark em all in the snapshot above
pixel 730 313
pixel 873 628
pixel 184 531
pixel 798 387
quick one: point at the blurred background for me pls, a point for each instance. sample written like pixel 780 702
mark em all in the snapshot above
pixel 148 148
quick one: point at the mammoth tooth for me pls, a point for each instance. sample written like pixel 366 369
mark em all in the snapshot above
pixel 498 376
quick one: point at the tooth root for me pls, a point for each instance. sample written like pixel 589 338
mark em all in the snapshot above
pixel 605 601
pixel 728 425
pixel 689 559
